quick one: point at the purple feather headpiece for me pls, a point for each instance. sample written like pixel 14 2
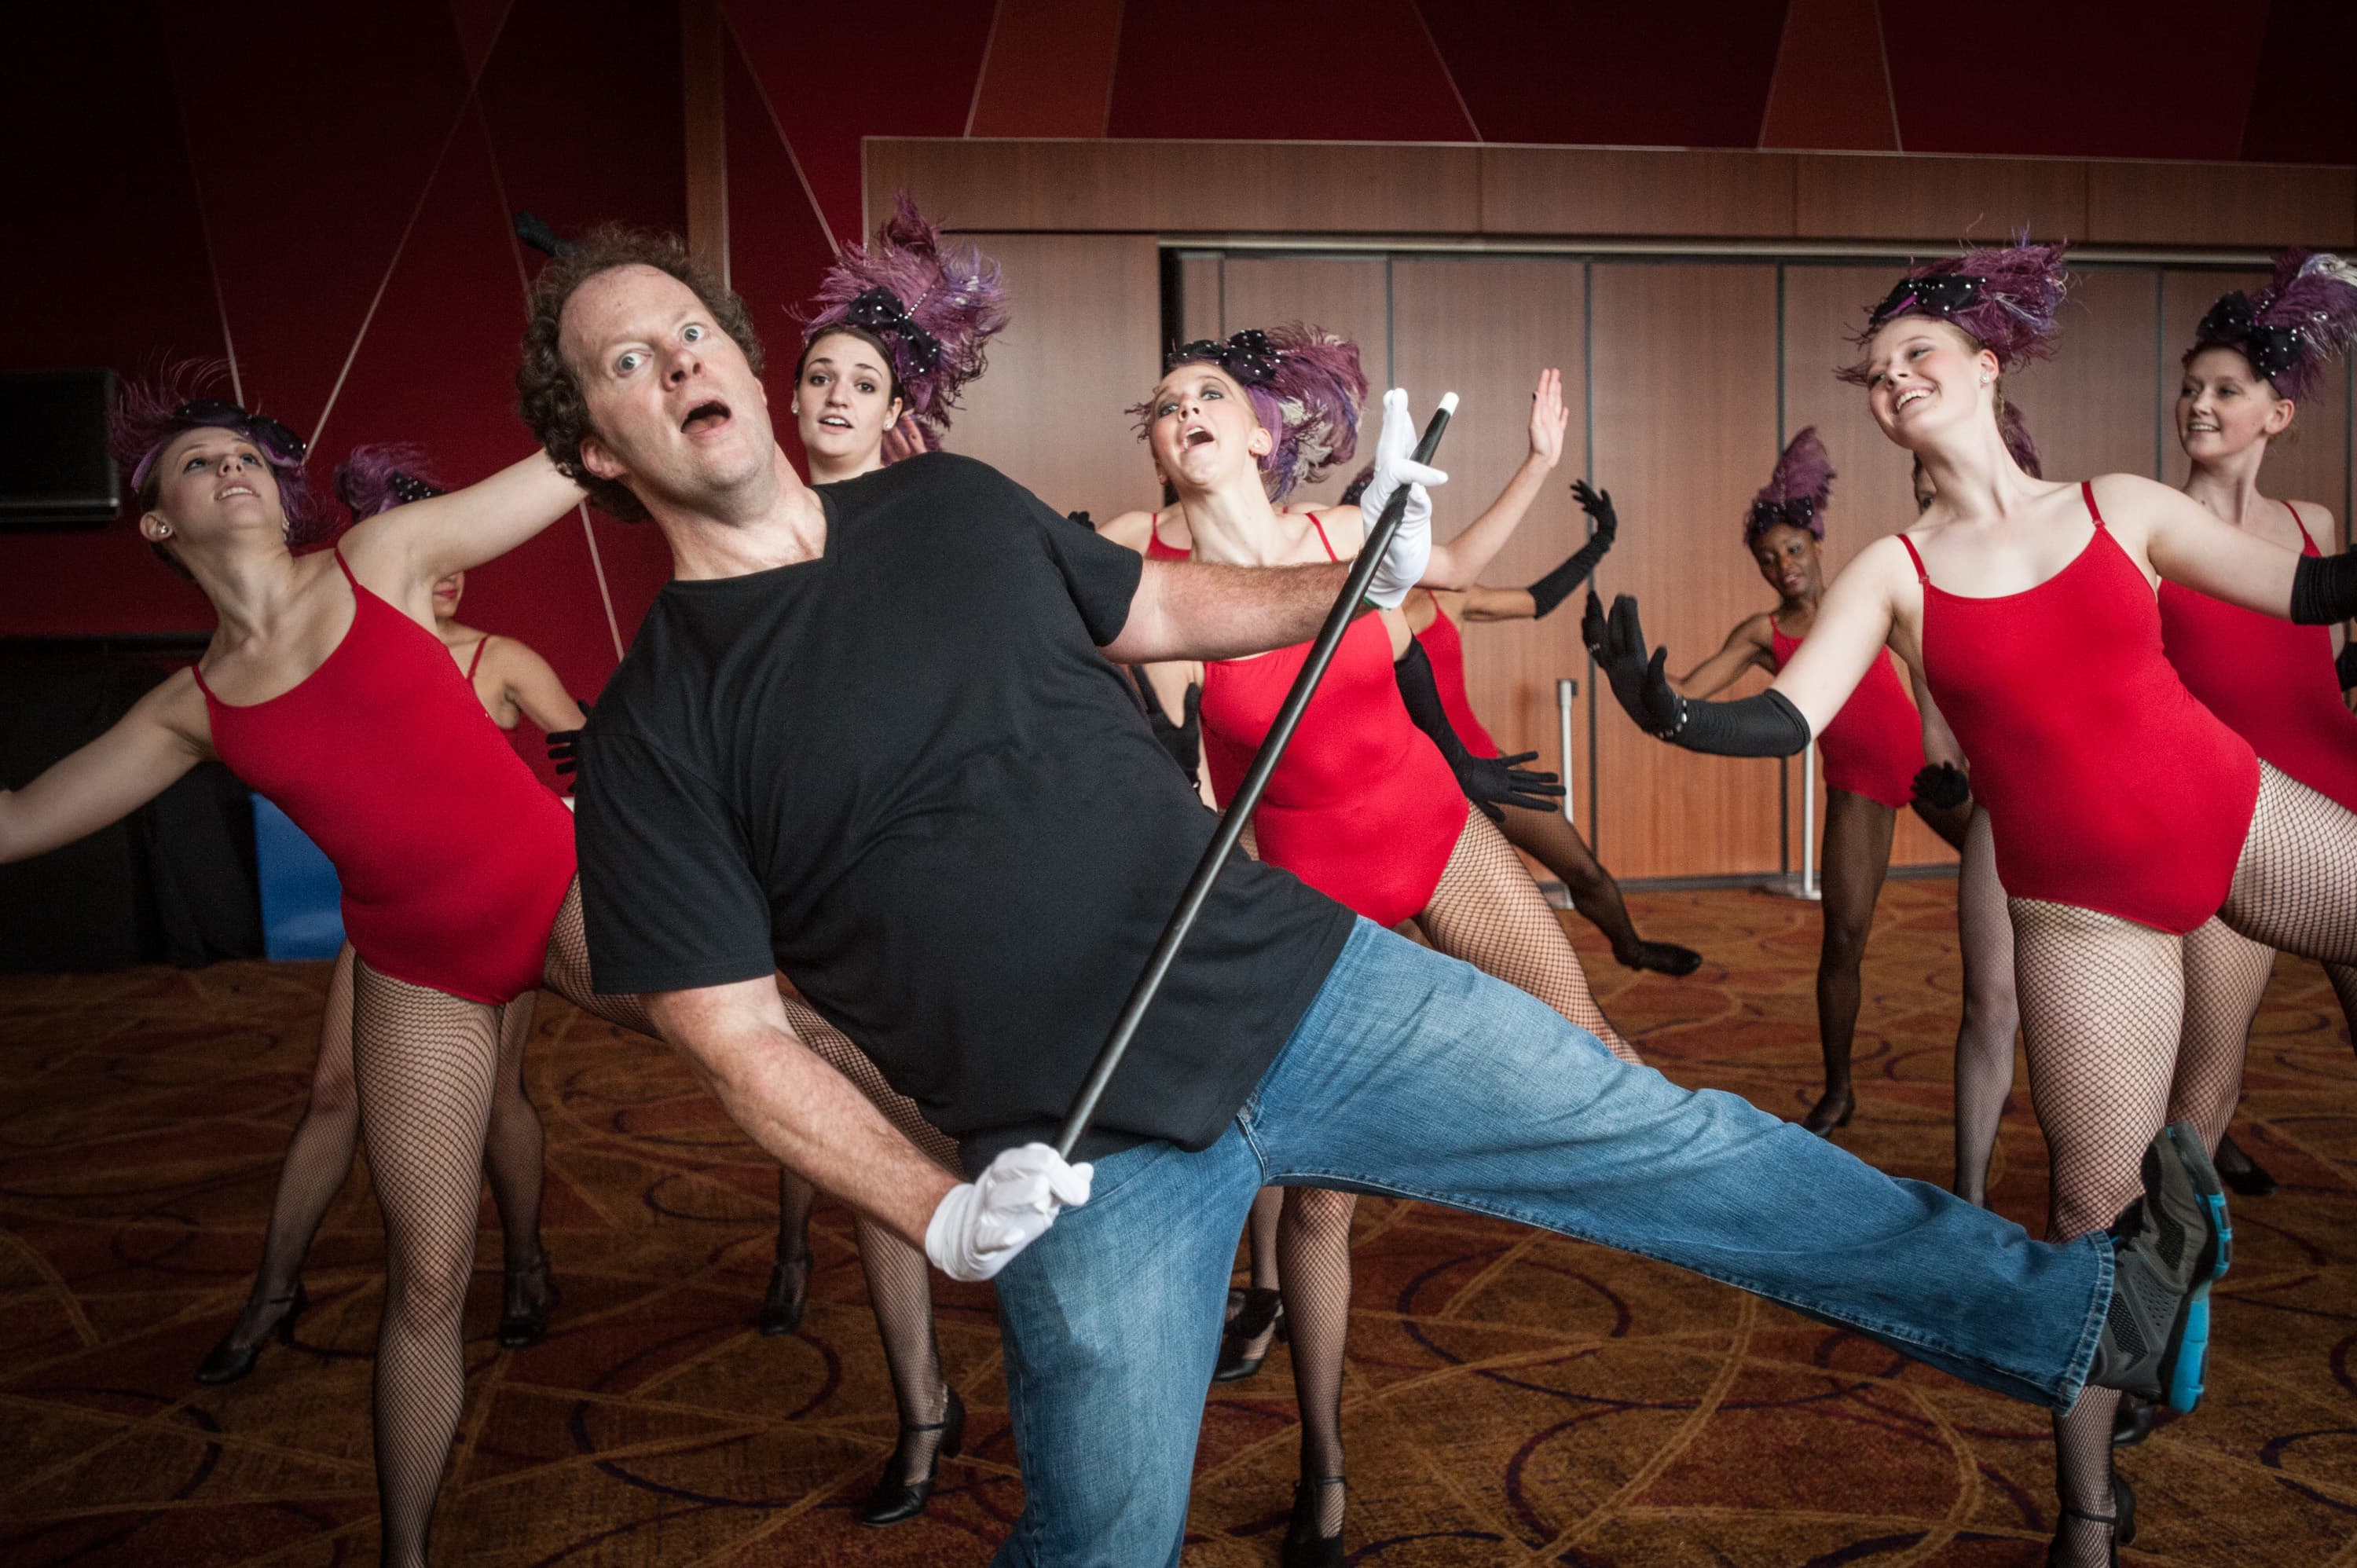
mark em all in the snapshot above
pixel 376 480
pixel 2006 297
pixel 147 415
pixel 934 311
pixel 1357 486
pixel 1304 387
pixel 2016 431
pixel 1796 493
pixel 2307 315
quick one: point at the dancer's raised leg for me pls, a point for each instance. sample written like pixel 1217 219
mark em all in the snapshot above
pixel 1557 845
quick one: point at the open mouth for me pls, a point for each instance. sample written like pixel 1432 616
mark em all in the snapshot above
pixel 834 421
pixel 704 418
pixel 1908 399
pixel 228 490
pixel 1195 435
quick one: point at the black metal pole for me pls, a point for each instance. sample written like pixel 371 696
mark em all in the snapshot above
pixel 1239 810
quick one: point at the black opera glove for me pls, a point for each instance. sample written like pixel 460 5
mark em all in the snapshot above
pixel 2344 664
pixel 1557 586
pixel 1943 785
pixel 2324 589
pixel 1489 782
pixel 1764 725
pixel 564 746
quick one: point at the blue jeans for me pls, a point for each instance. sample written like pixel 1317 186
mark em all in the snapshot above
pixel 1416 1075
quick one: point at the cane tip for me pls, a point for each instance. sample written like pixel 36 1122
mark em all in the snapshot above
pixel 1448 403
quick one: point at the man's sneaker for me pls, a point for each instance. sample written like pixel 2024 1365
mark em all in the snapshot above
pixel 2167 1247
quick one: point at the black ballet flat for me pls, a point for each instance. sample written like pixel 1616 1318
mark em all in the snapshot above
pixel 523 1318
pixel 781 1307
pixel 2121 1522
pixel 2239 1171
pixel 1304 1547
pixel 1661 958
pixel 2132 1422
pixel 898 1496
pixel 227 1361
pixel 1262 1311
pixel 1819 1119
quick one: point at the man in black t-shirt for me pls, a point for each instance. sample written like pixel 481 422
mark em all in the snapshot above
pixel 866 736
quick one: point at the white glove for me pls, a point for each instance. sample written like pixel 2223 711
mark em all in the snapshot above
pixel 981 1225
pixel 1411 548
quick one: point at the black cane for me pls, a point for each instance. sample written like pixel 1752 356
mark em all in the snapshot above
pixel 1239 810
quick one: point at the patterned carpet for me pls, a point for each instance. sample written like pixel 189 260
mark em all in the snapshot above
pixel 1512 1398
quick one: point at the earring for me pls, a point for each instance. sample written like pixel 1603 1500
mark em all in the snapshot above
pixel 1985 380
pixel 165 529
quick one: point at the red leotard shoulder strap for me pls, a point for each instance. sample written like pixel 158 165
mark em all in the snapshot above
pixel 355 582
pixel 1921 575
pixel 1436 602
pixel 472 664
pixel 2300 523
pixel 2087 490
pixel 1321 535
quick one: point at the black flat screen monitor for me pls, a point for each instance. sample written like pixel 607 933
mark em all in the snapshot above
pixel 55 470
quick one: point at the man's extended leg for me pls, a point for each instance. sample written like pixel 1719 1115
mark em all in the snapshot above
pixel 1416 1075
pixel 1112 1325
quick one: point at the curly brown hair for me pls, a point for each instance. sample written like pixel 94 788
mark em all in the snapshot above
pixel 549 397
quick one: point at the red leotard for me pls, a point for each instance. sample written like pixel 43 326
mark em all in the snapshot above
pixel 2271 682
pixel 1874 747
pixel 453 860
pixel 1154 549
pixel 1362 807
pixel 1446 648
pixel 2110 787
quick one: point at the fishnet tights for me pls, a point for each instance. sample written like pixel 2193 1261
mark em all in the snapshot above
pixel 425 1063
pixel 1488 912
pixel 899 1286
pixel 1992 1011
pixel 2101 1005
pixel 319 1156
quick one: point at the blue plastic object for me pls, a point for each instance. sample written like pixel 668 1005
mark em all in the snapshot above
pixel 302 903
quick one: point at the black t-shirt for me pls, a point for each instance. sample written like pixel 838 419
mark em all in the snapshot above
pixel 903 774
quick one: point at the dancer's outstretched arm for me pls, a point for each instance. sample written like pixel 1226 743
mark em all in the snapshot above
pixel 143 755
pixel 427 540
pixel 2189 543
pixel 1464 558
pixel 1748 646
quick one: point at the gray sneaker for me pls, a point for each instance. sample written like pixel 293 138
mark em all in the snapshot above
pixel 2167 1247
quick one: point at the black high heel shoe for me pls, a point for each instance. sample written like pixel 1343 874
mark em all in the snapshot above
pixel 228 1361
pixel 1661 958
pixel 2239 1171
pixel 781 1306
pixel 2121 1523
pixel 900 1495
pixel 1304 1547
pixel 2132 1422
pixel 524 1314
pixel 1262 1312
pixel 1822 1118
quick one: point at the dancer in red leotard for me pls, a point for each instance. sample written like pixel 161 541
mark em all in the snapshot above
pixel 2253 363
pixel 326 690
pixel 1370 803
pixel 517 682
pixel 2029 609
pixel 897 330
pixel 1873 751
pixel 1435 617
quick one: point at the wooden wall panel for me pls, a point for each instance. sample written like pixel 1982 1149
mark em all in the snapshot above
pixel 1940 201
pixel 1347 295
pixel 2093 407
pixel 1684 396
pixel 1199 298
pixel 1599 190
pixel 1298 187
pixel 1872 493
pixel 1484 330
pixel 2313 465
pixel 1083 346
pixel 2258 205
